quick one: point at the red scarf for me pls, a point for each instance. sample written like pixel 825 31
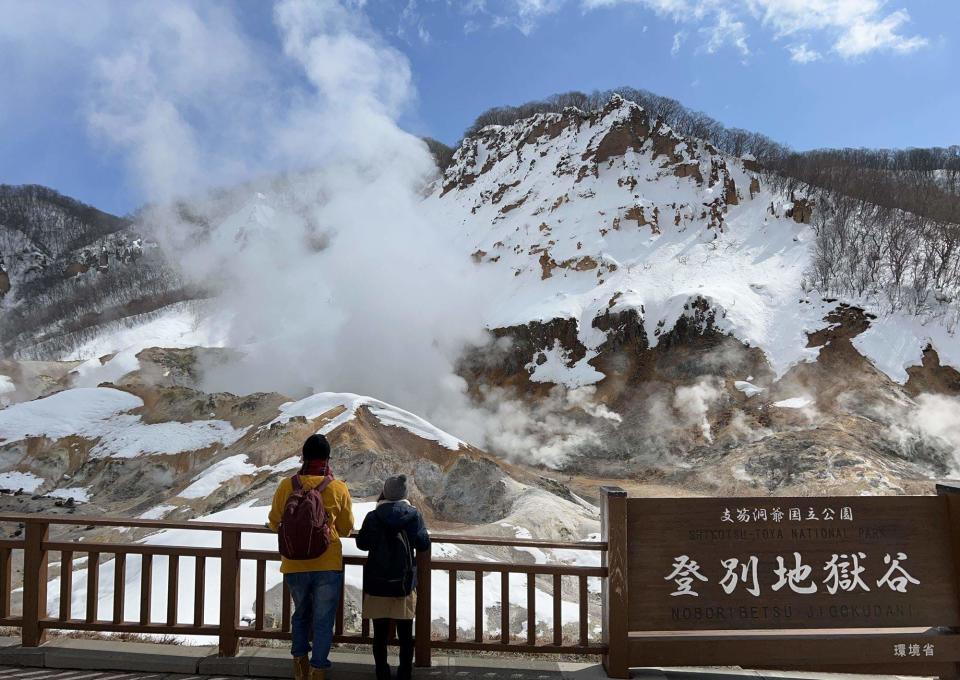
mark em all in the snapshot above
pixel 317 468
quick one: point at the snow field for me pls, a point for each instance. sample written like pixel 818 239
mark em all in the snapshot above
pixel 316 405
pixel 102 413
pixel 183 324
pixel 208 481
pixel 14 480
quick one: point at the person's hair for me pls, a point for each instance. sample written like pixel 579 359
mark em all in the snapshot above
pixel 316 448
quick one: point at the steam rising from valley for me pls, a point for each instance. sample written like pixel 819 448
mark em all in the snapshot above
pixel 299 209
pixel 327 272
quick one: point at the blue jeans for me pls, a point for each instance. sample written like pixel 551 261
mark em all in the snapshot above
pixel 316 595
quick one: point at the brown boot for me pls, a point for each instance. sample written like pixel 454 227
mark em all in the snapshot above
pixel 301 667
pixel 317 674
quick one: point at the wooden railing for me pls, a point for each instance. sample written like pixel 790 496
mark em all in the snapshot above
pixel 34 548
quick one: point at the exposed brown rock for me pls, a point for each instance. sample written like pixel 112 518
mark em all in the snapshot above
pixel 4 283
pixel 501 190
pixel 730 191
pixel 665 143
pixel 932 376
pixel 478 255
pixel 801 211
pixel 637 214
pixel 579 264
pixel 689 170
pixel 717 208
pixel 547 265
pixel 630 134
pixel 754 186
pixel 551 126
pixel 464 181
pixel 585 171
pixel 73 269
pixel 513 206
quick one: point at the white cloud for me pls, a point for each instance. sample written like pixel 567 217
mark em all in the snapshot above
pixel 868 36
pixel 678 39
pixel 854 28
pixel 725 30
pixel 802 54
pixel 412 22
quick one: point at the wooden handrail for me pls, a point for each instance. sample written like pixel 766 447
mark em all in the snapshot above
pixel 80 520
pixel 36 545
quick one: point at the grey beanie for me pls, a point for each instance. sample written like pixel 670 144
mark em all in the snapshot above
pixel 395 488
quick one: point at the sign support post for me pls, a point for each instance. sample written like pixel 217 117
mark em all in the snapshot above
pixel 951 490
pixel 613 530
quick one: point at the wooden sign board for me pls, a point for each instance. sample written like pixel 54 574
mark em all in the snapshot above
pixel 791 563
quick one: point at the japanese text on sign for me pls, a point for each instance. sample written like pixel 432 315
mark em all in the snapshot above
pixel 843 572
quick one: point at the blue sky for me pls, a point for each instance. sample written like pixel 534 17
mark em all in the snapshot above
pixel 810 73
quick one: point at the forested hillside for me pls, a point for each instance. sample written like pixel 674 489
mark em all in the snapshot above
pixel 68 267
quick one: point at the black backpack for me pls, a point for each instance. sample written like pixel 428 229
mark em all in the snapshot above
pixel 390 568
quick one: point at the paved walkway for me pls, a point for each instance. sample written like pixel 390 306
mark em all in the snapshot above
pixel 77 659
pixel 57 674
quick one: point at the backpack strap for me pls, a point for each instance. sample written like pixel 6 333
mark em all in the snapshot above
pixel 297 484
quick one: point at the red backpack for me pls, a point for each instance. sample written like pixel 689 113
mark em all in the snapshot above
pixel 304 532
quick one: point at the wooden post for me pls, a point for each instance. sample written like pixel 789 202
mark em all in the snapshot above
pixel 423 622
pixel 613 530
pixel 951 490
pixel 34 582
pixel 229 591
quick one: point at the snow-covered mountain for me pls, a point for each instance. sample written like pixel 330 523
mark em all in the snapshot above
pixel 675 283
pixel 657 322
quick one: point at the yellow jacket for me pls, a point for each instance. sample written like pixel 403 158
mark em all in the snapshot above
pixel 339 506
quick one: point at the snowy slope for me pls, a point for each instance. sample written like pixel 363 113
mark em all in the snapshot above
pixel 608 210
pixel 318 404
pixel 102 413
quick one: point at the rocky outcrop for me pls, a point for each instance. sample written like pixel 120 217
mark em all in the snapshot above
pixel 801 210
pixel 629 134
pixel 932 377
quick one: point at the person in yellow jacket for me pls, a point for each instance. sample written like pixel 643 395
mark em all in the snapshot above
pixel 315 584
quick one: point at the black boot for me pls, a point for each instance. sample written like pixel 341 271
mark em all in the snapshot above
pixel 405 669
pixel 383 671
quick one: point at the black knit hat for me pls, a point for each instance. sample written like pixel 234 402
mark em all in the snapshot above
pixel 316 448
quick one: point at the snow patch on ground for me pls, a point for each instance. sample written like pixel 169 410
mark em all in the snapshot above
pixel 316 405
pixel 14 480
pixel 158 512
pixel 794 402
pixel 895 342
pixel 556 368
pixel 79 494
pixel 210 479
pixel 747 388
pixel 229 468
pixel 184 324
pixel 101 413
